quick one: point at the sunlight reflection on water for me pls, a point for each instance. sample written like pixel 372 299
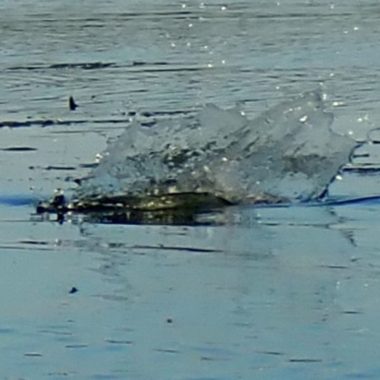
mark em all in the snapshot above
pixel 286 293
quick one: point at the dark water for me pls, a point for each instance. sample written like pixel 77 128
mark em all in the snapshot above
pixel 273 293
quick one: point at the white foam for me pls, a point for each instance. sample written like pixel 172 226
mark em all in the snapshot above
pixel 288 151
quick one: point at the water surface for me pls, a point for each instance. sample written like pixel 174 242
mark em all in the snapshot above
pixel 273 293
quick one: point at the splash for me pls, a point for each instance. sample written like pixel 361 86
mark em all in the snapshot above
pixel 288 153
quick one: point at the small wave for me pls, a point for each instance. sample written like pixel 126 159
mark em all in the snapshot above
pixel 17 200
pixel 370 200
pixel 19 149
pixel 64 65
pixel 53 122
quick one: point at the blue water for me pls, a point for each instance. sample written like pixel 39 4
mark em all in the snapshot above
pixel 265 293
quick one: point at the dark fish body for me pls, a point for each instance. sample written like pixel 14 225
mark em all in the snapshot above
pixel 179 208
pixel 150 203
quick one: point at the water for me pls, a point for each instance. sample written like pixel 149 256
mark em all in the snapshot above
pixel 278 292
pixel 289 152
